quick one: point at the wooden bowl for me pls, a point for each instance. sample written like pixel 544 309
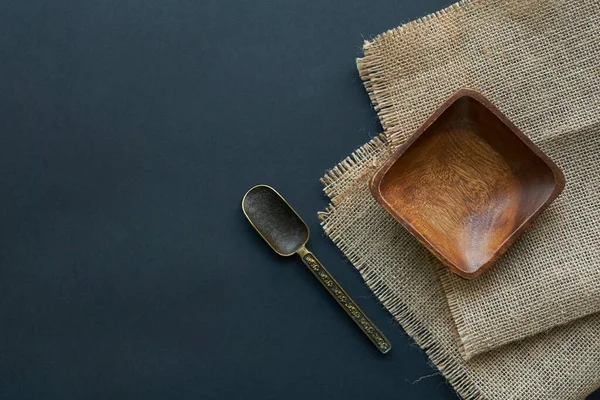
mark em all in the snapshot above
pixel 467 183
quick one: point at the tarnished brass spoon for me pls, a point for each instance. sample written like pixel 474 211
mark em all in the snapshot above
pixel 286 233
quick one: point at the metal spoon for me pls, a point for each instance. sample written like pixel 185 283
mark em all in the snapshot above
pixel 286 233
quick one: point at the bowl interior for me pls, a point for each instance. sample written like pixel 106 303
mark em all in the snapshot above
pixel 467 185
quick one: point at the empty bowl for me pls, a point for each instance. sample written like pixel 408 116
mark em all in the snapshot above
pixel 467 184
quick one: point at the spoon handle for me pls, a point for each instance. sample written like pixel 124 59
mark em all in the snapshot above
pixel 344 300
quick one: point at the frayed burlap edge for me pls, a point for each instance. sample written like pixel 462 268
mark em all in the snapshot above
pixel 336 179
pixel 461 336
pixel 451 369
pixel 371 77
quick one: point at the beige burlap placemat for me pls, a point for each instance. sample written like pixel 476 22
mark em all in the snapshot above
pixel 538 61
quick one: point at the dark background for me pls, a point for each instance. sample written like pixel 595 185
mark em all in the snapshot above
pixel 130 130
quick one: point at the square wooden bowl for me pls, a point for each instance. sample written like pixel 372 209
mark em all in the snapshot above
pixel 467 183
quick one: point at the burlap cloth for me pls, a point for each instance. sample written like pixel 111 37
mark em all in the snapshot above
pixel 530 327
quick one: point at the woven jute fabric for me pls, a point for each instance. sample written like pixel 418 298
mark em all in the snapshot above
pixel 539 62
pixel 563 363
pixel 529 328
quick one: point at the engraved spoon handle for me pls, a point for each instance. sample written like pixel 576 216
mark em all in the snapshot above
pixel 340 295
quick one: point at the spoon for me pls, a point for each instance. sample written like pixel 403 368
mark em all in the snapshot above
pixel 286 233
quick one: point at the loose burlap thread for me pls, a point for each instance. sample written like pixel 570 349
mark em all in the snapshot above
pixel 530 327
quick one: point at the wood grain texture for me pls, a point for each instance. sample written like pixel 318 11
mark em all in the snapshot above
pixel 467 183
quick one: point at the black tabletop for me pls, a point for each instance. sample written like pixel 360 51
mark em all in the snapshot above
pixel 130 130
